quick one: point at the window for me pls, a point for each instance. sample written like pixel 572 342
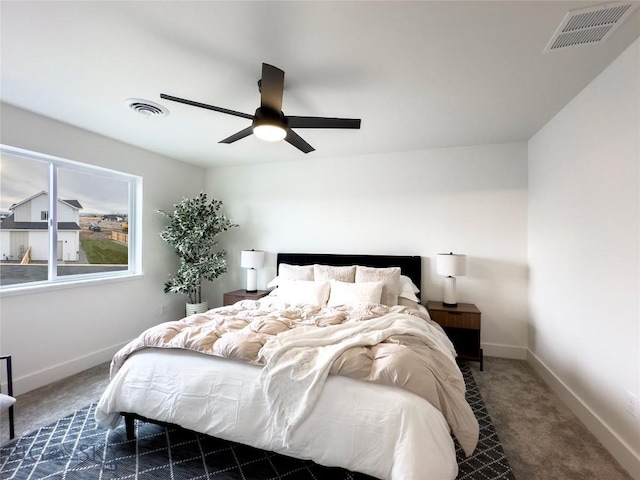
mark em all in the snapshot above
pixel 63 221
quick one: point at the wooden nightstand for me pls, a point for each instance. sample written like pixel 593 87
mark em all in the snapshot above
pixel 462 325
pixel 230 298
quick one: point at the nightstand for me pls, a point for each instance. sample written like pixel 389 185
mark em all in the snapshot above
pixel 230 298
pixel 462 325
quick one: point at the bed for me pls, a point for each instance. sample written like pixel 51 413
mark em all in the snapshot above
pixel 176 374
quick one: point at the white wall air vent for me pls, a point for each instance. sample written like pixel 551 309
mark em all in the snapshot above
pixel 586 26
pixel 146 107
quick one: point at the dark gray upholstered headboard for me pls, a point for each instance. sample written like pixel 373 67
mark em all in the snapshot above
pixel 411 266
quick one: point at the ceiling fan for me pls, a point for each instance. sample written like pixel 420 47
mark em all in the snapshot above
pixel 269 122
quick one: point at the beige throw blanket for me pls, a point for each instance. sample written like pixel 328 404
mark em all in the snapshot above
pixel 387 345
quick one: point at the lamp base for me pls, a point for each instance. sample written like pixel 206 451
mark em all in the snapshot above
pixel 252 280
pixel 450 292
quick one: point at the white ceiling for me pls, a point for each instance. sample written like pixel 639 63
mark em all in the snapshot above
pixel 420 75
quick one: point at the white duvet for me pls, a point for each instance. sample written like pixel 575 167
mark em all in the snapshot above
pixel 378 430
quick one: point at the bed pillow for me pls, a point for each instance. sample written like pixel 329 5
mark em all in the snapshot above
pixel 292 272
pixel 407 289
pixel 346 293
pixel 406 282
pixel 330 272
pixel 390 277
pixel 298 292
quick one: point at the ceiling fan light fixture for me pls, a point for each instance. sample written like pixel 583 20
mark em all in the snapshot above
pixel 269 132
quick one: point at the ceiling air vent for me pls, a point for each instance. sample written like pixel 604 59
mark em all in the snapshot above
pixel 586 26
pixel 146 107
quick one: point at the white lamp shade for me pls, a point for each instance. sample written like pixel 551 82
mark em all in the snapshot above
pixel 451 264
pixel 251 259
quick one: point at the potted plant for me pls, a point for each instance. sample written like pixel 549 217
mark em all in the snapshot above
pixel 192 230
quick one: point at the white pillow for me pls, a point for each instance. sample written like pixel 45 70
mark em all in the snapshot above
pixel 408 289
pixel 6 401
pixel 345 293
pixel 292 272
pixel 407 282
pixel 389 276
pixel 330 272
pixel 303 292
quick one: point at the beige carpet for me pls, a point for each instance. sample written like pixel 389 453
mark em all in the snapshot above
pixel 542 439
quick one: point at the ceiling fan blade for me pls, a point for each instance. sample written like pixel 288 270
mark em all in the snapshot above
pixel 238 136
pixel 296 140
pixel 322 122
pixel 204 105
pixel 271 87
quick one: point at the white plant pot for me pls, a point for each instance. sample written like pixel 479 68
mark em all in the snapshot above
pixel 197 307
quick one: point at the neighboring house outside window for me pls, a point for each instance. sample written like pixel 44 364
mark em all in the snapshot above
pixel 20 230
pixel 91 231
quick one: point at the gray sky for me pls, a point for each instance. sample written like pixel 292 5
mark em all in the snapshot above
pixel 21 178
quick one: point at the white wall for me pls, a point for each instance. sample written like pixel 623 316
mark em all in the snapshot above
pixel 39 243
pixel 40 204
pixel 584 246
pixel 470 200
pixel 70 245
pixel 22 213
pixel 4 244
pixel 55 333
pixel 31 211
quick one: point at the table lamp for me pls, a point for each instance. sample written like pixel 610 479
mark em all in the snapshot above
pixel 451 265
pixel 252 259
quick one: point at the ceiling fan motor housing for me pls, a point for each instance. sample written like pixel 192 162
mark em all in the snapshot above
pixel 269 116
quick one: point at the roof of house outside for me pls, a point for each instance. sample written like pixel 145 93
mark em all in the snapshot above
pixel 72 203
pixel 9 224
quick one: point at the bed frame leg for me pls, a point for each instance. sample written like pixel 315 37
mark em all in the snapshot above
pixel 130 426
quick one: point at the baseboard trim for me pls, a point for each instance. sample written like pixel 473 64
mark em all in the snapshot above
pixel 57 372
pixel 620 450
pixel 504 351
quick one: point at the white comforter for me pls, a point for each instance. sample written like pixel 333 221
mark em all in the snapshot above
pixel 379 430
pixel 298 360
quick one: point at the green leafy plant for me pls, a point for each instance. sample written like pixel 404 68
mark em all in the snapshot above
pixel 192 230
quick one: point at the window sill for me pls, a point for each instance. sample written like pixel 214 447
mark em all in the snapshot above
pixel 26 289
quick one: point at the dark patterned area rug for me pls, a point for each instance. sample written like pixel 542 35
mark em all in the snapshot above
pixel 75 448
